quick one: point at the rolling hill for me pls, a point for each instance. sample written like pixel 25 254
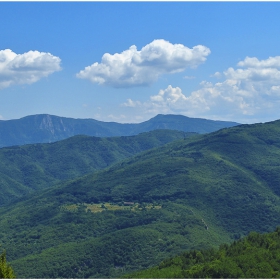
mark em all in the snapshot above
pixel 46 128
pixel 26 168
pixel 192 193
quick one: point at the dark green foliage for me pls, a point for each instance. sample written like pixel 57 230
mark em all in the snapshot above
pixel 47 128
pixel 24 169
pixel 107 256
pixel 255 256
pixel 45 242
pixel 6 270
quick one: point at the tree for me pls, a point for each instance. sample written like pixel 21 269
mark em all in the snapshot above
pixel 6 270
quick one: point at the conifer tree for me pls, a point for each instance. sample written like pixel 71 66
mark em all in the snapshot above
pixel 6 270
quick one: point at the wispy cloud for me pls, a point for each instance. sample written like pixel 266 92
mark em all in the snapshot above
pixel 189 77
pixel 119 118
pixel 26 68
pixel 141 68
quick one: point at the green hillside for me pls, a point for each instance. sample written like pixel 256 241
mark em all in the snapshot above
pixel 189 194
pixel 230 176
pixel 255 256
pixel 24 169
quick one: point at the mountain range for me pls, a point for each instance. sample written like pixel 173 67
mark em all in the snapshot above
pixel 195 192
pixel 46 128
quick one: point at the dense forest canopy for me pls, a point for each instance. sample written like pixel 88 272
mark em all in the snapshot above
pixel 255 256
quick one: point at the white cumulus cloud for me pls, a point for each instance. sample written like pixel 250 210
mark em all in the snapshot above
pixel 170 100
pixel 26 68
pixel 248 93
pixel 253 62
pixel 141 68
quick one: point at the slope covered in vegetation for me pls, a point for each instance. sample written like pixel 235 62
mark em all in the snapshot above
pixel 255 256
pixel 192 194
pixel 24 169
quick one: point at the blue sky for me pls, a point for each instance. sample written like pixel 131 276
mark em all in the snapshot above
pixel 129 61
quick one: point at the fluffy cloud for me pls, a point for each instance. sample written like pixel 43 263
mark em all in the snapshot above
pixel 248 94
pixel 26 68
pixel 172 97
pixel 253 62
pixel 141 68
pixel 171 100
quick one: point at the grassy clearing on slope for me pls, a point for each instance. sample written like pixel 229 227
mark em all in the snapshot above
pixel 99 207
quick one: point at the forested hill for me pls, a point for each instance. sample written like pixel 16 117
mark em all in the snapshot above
pixel 47 128
pixel 255 256
pixel 26 168
pixel 192 193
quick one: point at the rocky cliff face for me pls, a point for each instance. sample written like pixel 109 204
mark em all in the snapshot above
pixel 48 124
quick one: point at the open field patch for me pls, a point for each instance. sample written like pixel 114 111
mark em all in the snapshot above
pixel 99 207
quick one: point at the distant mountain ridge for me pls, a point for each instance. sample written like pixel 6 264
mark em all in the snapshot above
pixel 45 128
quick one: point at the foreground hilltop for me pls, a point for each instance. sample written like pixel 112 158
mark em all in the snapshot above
pixel 255 256
pixel 46 128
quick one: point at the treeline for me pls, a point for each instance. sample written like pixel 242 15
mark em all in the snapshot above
pixel 255 256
